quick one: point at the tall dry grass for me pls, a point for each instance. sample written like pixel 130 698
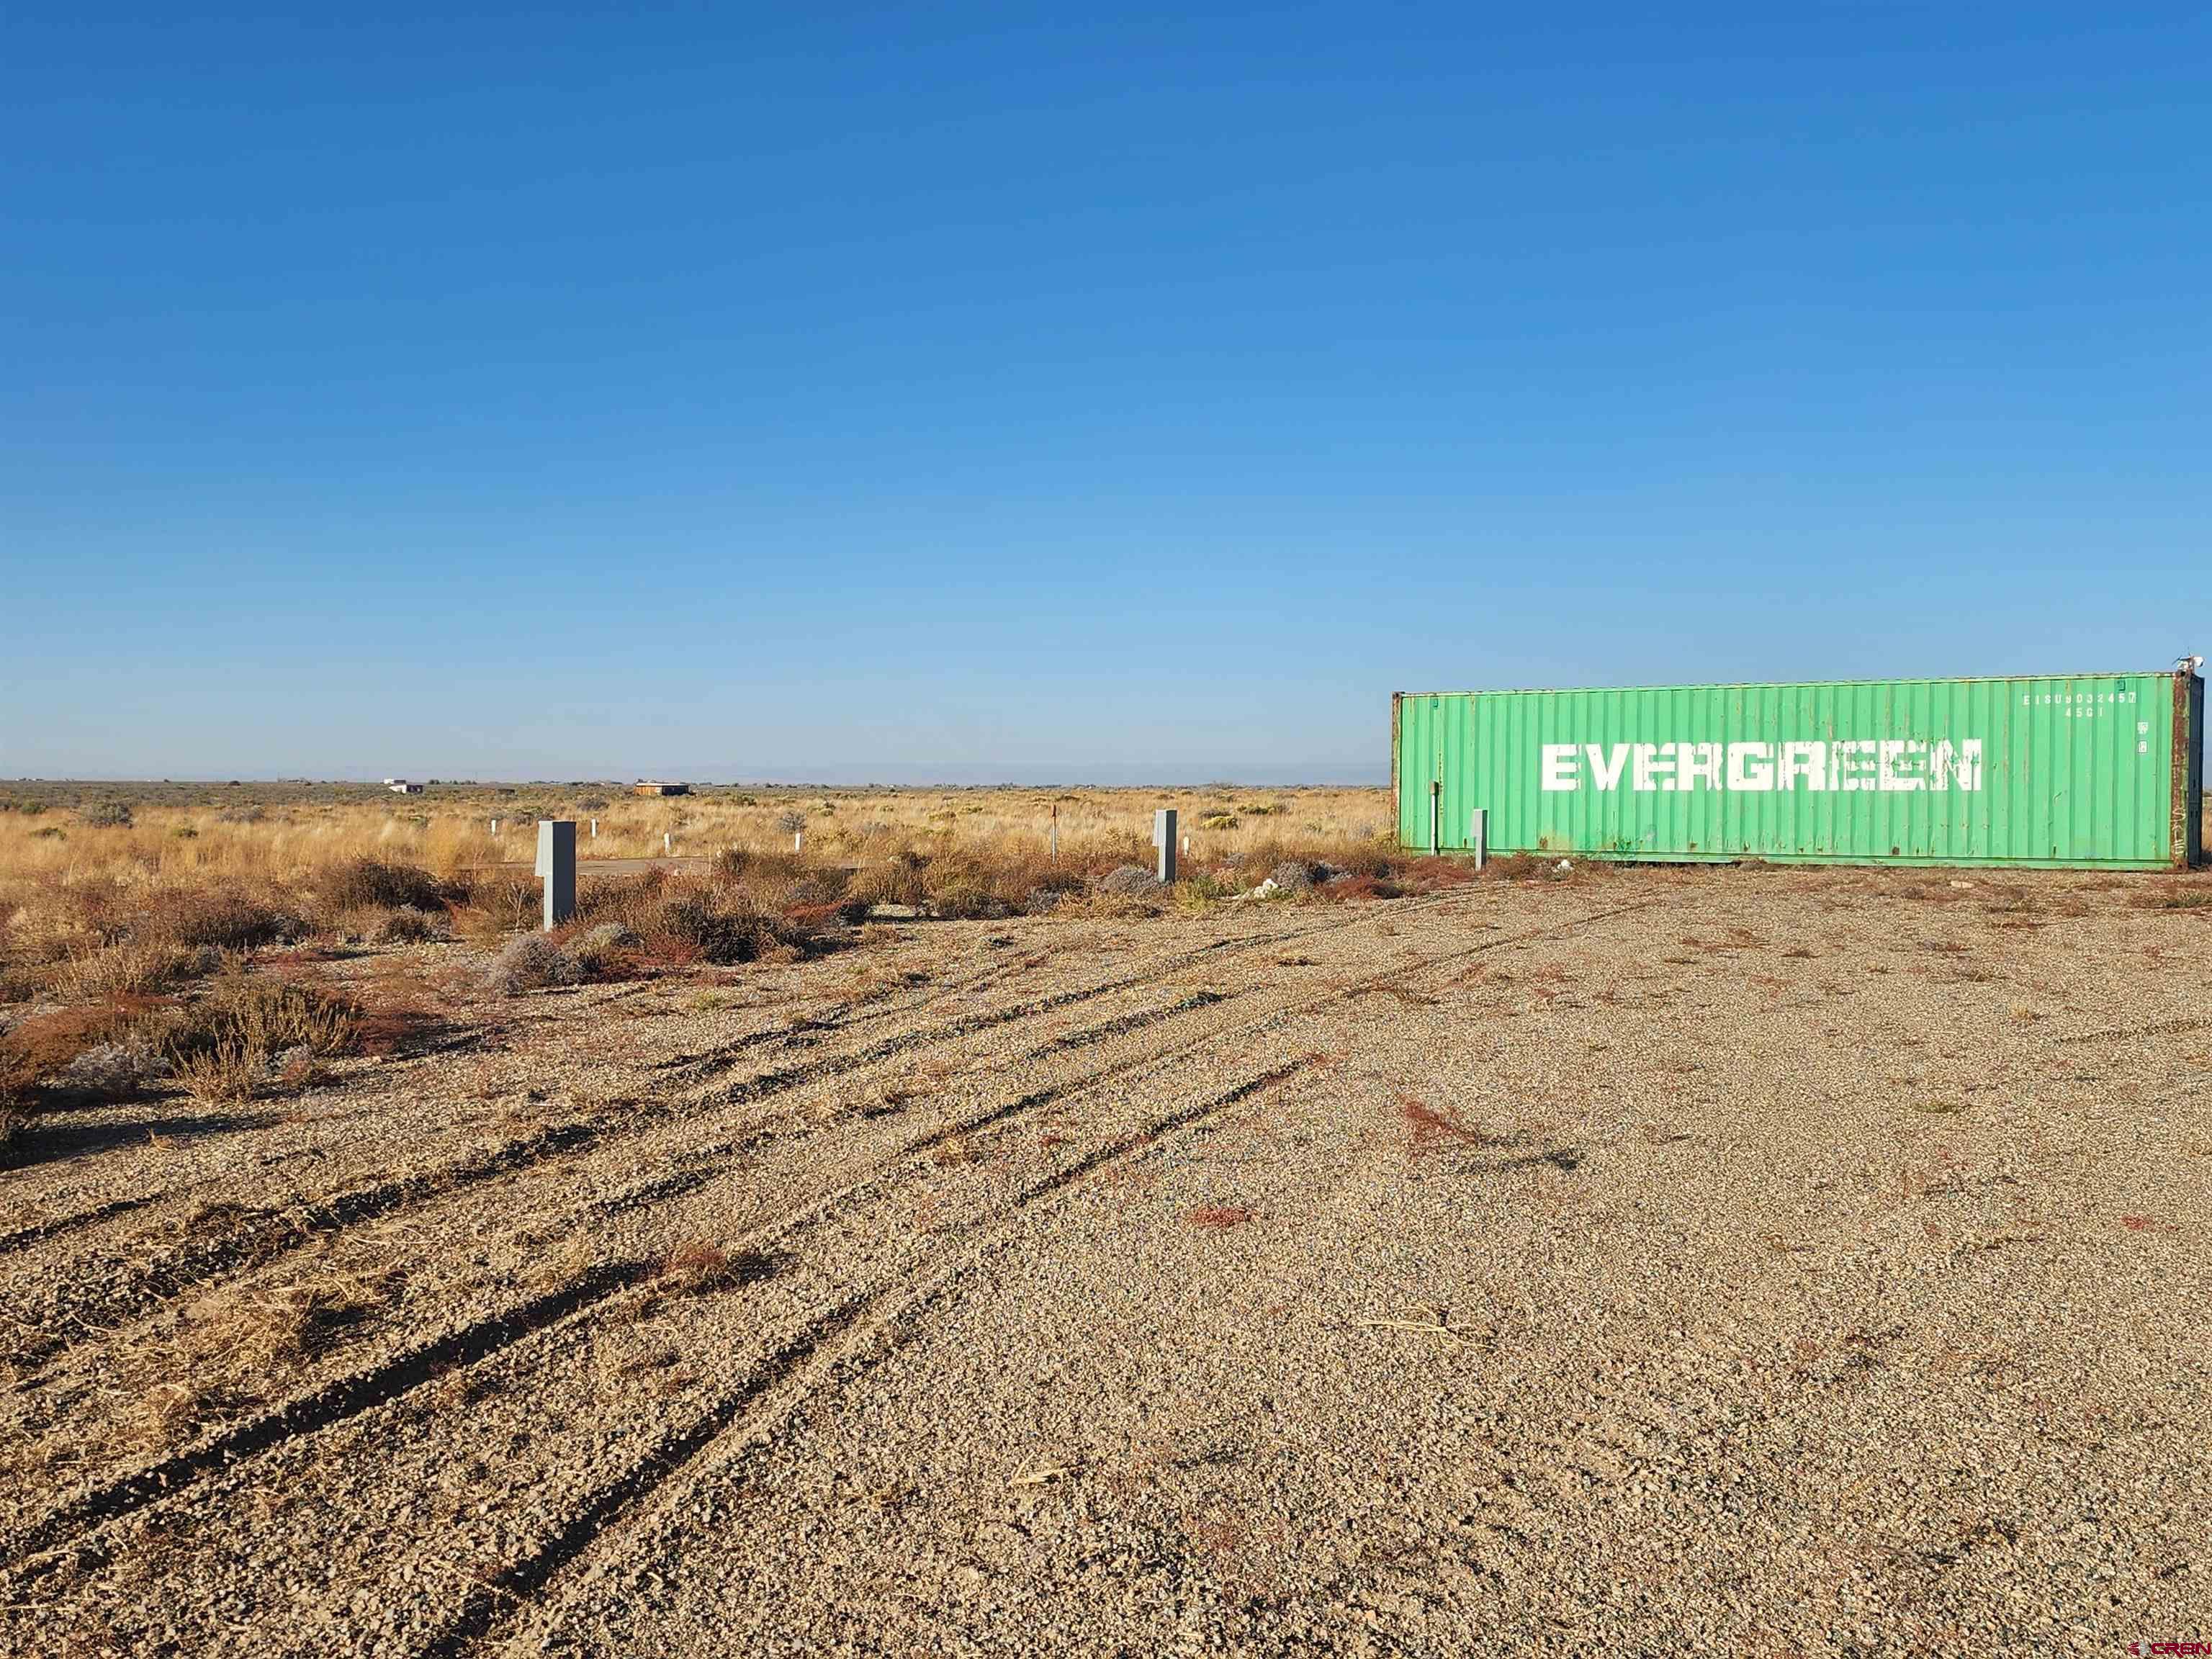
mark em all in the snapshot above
pixel 451 832
pixel 127 918
pixel 131 918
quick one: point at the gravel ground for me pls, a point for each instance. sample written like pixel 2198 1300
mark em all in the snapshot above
pixel 1744 1261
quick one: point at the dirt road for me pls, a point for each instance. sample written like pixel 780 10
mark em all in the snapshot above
pixel 1723 1261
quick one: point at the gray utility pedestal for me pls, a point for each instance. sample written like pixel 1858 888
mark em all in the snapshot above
pixel 1163 842
pixel 556 868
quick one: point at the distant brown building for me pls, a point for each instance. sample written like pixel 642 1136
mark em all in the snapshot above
pixel 660 789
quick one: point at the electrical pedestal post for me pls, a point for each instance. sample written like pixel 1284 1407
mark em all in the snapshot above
pixel 556 868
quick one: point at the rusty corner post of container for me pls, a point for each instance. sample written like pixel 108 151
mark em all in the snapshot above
pixel 1397 810
pixel 1163 843
pixel 2187 775
pixel 556 868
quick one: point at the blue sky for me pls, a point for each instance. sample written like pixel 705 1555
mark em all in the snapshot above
pixel 968 393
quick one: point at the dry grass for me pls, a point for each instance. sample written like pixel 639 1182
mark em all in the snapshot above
pixel 697 1265
pixel 737 912
pixel 293 1324
pixel 256 839
pixel 132 904
pixel 222 1049
pixel 237 1345
pixel 227 1069
pixel 217 1045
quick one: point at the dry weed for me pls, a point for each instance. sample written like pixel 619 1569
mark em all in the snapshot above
pixel 228 1068
pixel 955 1150
pixel 697 1266
pixel 1430 1130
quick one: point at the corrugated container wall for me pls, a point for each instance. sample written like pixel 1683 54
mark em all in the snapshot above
pixel 2085 769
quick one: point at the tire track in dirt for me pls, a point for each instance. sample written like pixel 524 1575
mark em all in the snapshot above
pixel 996 1116
pixel 817 1210
pixel 853 1012
pixel 39 1231
pixel 1122 1025
pixel 93 1307
pixel 264 1235
pixel 522 1581
pixel 337 1400
pixel 490 1037
pixel 827 1205
pixel 54 1227
pixel 698 1067
pixel 347 1396
pixel 352 1395
pixel 528 1577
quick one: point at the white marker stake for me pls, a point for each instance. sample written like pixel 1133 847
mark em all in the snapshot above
pixel 667 843
pixel 556 868
pixel 1479 835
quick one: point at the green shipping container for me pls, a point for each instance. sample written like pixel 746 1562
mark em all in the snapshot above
pixel 2087 769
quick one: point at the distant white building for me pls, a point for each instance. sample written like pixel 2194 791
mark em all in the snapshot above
pixel 401 786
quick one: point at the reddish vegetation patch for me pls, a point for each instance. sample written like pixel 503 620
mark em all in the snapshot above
pixel 672 948
pixel 391 1020
pixel 814 918
pixel 1219 1217
pixel 1427 874
pixel 1432 1129
pixel 1363 887
pixel 2135 1223
pixel 697 1266
pixel 44 1044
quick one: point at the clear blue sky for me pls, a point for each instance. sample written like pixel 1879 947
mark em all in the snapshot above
pixel 976 392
